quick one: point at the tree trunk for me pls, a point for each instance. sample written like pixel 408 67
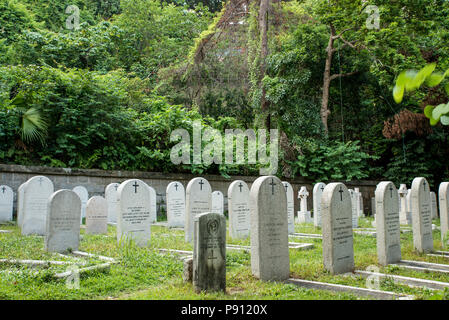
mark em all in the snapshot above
pixel 263 27
pixel 324 112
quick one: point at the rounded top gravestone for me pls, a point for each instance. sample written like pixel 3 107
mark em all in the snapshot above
pixel 318 189
pixel 63 227
pixel 421 215
pixel 83 194
pixel 217 202
pixel 269 229
pixel 36 193
pixel 97 216
pixel 6 203
pixel 238 208
pixel 20 194
pixel 176 204
pixel 133 221
pixel 336 219
pixel 198 200
pixel 110 194
pixel 388 226
pixel 153 207
pixel 443 195
pixel 290 206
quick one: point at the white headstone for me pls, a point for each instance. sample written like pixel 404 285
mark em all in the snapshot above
pixel 443 195
pixel 402 192
pixel 238 207
pixel 198 200
pixel 217 202
pixel 37 191
pixel 153 208
pixel 359 202
pixel 63 222
pixel 290 207
pixel 338 241
pixel 84 196
pixel 303 214
pixel 20 196
pixel 110 195
pixel 176 205
pixel 388 228
pixel 269 230
pixel 97 216
pixel 422 216
pixel 133 221
pixel 354 209
pixel 317 194
pixel 6 203
pixel 409 207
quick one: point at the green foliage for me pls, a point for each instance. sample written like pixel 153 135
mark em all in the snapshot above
pixel 332 161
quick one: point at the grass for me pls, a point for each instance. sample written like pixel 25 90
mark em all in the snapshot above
pixel 145 273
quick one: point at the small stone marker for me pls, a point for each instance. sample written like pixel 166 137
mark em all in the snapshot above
pixel 84 196
pixel 209 252
pixel 402 192
pixel 97 216
pixel 317 194
pixel 63 223
pixel 269 230
pixel 217 202
pixel 354 209
pixel 20 196
pixel 358 201
pixel 290 207
pixel 434 207
pixel 422 216
pixel 238 206
pixel 303 214
pixel 198 200
pixel 133 221
pixel 338 242
pixel 409 207
pixel 443 194
pixel 176 205
pixel 153 205
pixel 110 194
pixel 37 191
pixel 6 203
pixel 388 227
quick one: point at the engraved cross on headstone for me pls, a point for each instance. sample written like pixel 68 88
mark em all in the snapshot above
pixel 176 186
pixel 424 184
pixel 391 192
pixel 135 185
pixel 40 181
pixel 341 194
pixel 240 186
pixel 116 187
pixel 272 184
pixel 201 184
pixel 4 189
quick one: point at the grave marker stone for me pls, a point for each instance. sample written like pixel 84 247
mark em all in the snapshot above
pixel 303 214
pixel 443 194
pixel 84 196
pixel 317 194
pixel 133 221
pixel 176 205
pixel 97 216
pixel 338 243
pixel 6 203
pixel 269 230
pixel 198 200
pixel 209 252
pixel 153 205
pixel 422 216
pixel 35 205
pixel 354 209
pixel 290 207
pixel 403 201
pixel 110 194
pixel 217 202
pixel 238 206
pixel 20 196
pixel 388 226
pixel 63 222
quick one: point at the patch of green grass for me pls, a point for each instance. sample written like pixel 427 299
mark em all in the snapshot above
pixel 146 273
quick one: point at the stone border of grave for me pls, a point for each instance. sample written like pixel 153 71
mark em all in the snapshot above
pixel 103 267
pixel 377 294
